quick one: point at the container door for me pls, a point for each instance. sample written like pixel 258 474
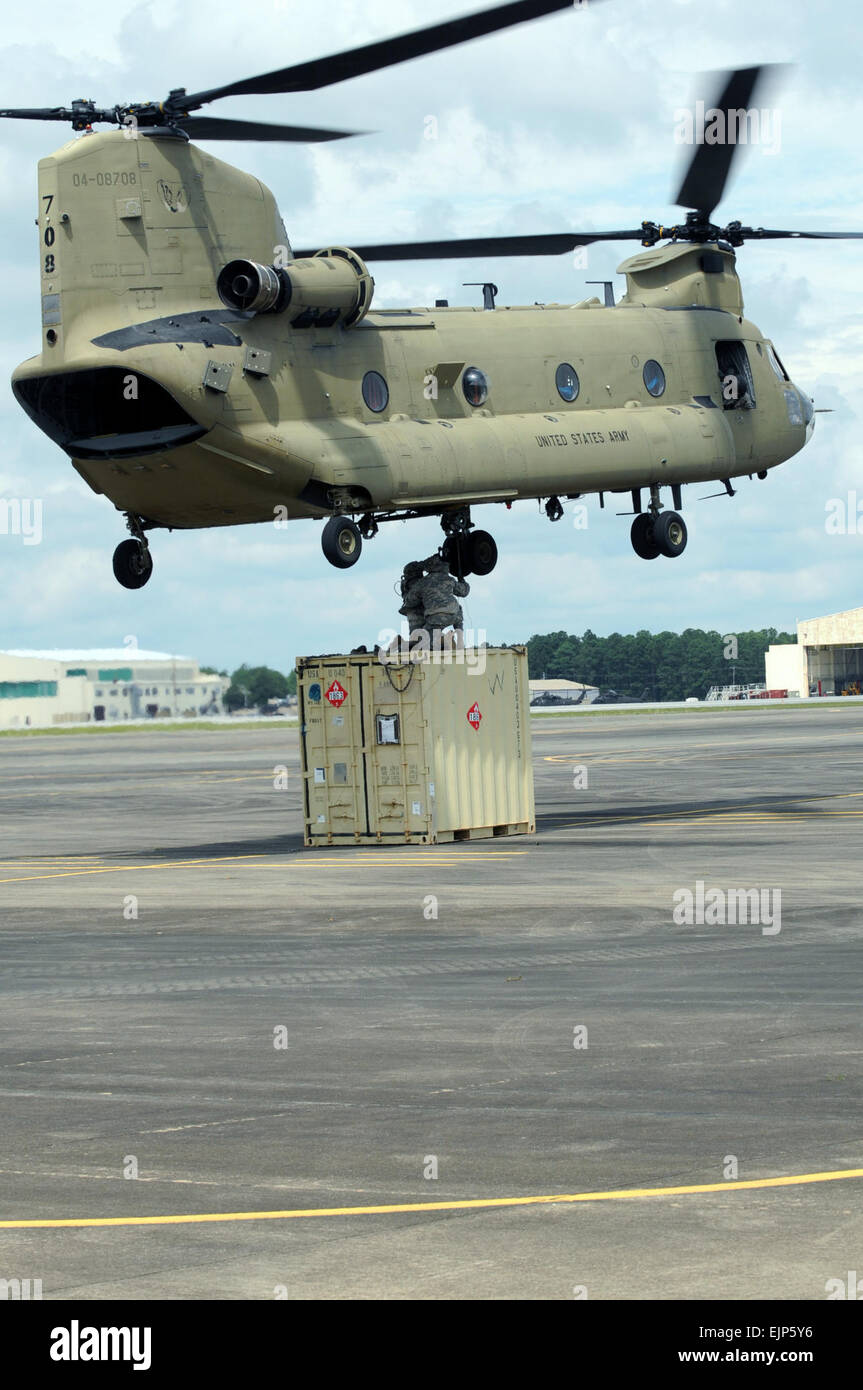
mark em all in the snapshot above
pixel 333 737
pixel 397 771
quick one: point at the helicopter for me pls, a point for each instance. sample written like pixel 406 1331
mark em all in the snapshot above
pixel 200 372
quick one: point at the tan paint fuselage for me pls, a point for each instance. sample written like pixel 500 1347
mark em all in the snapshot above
pixel 133 231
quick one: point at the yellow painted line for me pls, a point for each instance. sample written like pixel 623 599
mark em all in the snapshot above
pixel 131 868
pixel 431 857
pixel 765 807
pixel 594 758
pixel 622 1194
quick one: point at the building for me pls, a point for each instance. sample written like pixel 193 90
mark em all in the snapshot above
pixel 826 659
pixel 561 692
pixel 114 684
pixel 35 693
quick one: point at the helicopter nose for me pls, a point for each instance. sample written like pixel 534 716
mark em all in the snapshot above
pixel 808 406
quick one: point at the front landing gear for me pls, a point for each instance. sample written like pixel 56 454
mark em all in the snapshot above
pixel 133 563
pixel 655 532
pixel 641 535
pixel 669 533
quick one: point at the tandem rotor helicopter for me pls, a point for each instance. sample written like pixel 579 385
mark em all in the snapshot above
pixel 199 372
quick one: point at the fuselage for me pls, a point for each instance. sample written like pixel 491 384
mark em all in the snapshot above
pixel 188 414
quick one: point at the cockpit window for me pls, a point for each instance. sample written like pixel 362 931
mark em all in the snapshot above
pixel 775 363
pixel 735 376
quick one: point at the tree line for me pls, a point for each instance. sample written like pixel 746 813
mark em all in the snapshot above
pixel 654 666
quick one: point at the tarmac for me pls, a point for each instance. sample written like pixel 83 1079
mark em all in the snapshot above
pixel 201 1019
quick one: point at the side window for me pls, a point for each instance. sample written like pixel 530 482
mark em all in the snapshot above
pixel 375 392
pixel 654 378
pixel 566 381
pixel 475 386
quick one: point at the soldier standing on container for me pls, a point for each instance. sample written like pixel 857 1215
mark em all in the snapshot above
pixel 440 593
pixel 412 595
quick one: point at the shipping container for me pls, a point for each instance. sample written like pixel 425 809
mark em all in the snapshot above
pixel 419 747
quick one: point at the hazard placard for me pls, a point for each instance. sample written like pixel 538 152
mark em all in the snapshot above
pixel 474 716
pixel 336 694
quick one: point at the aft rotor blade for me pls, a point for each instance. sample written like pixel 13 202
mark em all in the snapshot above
pixel 56 113
pixel 705 178
pixel 544 244
pixel 215 128
pixel 372 57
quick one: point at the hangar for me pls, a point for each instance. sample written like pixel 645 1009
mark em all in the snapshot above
pixel 826 659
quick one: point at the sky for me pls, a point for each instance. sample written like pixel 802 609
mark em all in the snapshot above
pixel 567 123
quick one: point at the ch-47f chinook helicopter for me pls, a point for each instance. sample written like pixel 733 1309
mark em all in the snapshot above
pixel 199 372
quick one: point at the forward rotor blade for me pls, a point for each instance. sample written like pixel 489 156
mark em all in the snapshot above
pixel 705 178
pixel 545 244
pixel 771 234
pixel 372 57
pixel 214 128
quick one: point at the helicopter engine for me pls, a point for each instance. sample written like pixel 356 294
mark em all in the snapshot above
pixel 333 286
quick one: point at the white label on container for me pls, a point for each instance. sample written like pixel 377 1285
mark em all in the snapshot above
pixel 320 774
pixel 338 720
pixel 321 820
pixel 431 788
pixel 416 808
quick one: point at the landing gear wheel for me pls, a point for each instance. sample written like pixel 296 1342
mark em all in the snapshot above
pixel 669 532
pixel 456 550
pixel 482 552
pixel 643 541
pixel 133 564
pixel 341 542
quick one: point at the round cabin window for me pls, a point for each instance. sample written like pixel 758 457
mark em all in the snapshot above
pixel 566 381
pixel 375 392
pixel 654 378
pixel 475 386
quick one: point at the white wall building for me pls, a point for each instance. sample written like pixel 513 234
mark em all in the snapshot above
pixel 35 693
pixel 826 659
pixel 111 685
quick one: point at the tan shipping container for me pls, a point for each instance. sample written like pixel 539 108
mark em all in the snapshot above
pixel 411 750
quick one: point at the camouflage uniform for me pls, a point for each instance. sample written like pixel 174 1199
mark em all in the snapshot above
pixel 440 594
pixel 412 595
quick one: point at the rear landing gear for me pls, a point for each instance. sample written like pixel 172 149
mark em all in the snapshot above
pixel 482 552
pixel 133 563
pixel 342 542
pixel 466 551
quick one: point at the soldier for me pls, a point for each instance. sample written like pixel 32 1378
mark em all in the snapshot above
pixel 440 594
pixel 412 595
